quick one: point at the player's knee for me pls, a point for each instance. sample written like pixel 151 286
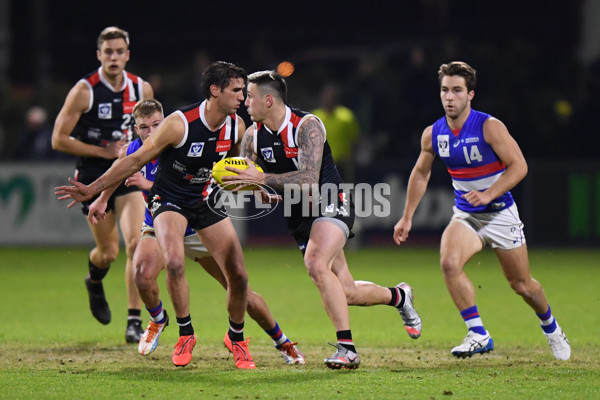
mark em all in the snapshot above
pixel 450 265
pixel 315 269
pixel 175 267
pixel 521 288
pixel 238 280
pixel 143 275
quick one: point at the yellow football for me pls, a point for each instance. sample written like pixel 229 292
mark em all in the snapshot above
pixel 219 171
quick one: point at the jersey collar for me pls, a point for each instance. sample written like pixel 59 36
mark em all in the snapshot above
pixel 284 124
pixel 107 83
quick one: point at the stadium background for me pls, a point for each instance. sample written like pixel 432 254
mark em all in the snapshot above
pixel 539 72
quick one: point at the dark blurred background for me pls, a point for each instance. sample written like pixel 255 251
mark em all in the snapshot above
pixel 375 63
pixel 537 61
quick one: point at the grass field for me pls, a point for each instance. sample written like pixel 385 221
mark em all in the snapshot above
pixel 52 348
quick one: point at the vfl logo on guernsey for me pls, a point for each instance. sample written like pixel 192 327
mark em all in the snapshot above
pixel 196 149
pixel 105 111
pixel 443 145
pixel 267 154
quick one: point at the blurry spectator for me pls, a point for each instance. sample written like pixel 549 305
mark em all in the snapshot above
pixel 35 142
pixel 369 95
pixel 342 129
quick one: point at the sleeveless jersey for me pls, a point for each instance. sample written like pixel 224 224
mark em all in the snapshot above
pixel 108 116
pixel 471 161
pixel 184 170
pixel 149 172
pixel 279 150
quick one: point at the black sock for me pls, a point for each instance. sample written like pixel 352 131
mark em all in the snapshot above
pixel 134 313
pixel 344 338
pixel 397 297
pixel 185 326
pixel 97 274
pixel 236 331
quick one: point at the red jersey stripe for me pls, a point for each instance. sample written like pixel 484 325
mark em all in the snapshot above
pixel 192 114
pixel 284 137
pixel 295 120
pixel 477 172
pixel 94 79
pixel 223 132
pixel 132 77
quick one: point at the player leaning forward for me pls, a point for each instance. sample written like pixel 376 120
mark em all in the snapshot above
pixel 484 162
pixel 188 142
pixel 293 148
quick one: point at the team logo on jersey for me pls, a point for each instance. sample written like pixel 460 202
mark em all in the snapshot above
pixel 105 110
pixel 267 154
pixel 196 149
pixel 443 145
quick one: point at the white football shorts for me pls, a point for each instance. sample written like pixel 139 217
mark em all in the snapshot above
pixel 502 229
pixel 193 247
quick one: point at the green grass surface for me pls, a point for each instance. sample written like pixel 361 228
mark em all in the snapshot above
pixel 52 348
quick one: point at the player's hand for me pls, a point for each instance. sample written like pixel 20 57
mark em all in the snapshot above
pixel 139 180
pixel 401 230
pixel 77 193
pixel 97 211
pixel 251 175
pixel 477 198
pixel 111 151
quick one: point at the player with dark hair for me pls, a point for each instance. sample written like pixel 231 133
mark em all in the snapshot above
pixel 93 124
pixel 293 148
pixel 485 162
pixel 188 142
pixel 148 259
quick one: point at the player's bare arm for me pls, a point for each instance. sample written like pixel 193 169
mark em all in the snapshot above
pixel 169 133
pixel 247 144
pixel 311 139
pixel 417 185
pixel 76 103
pixel 508 151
